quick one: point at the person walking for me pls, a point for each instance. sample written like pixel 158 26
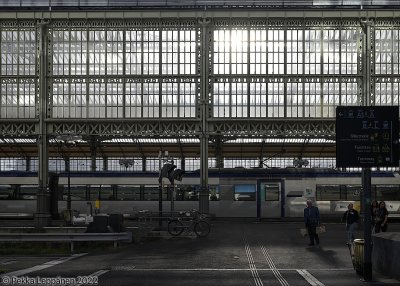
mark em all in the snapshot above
pixel 381 218
pixel 312 220
pixel 351 218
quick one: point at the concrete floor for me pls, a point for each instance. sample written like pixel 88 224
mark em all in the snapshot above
pixel 235 253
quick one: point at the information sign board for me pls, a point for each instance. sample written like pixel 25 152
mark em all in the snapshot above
pixel 367 136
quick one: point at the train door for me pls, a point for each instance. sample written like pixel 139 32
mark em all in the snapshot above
pixel 270 201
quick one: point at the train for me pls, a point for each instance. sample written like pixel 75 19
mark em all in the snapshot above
pixel 244 193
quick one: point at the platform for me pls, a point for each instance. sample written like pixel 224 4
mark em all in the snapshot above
pixel 235 253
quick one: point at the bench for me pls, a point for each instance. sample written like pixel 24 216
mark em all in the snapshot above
pixel 66 237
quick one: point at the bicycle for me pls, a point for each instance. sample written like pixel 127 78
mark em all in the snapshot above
pixel 196 223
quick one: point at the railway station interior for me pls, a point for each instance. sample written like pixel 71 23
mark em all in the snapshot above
pixel 189 142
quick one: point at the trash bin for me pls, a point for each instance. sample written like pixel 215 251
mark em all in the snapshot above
pixel 116 221
pixel 100 223
pixel 359 256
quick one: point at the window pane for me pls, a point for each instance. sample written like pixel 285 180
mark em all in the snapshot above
pixel 100 192
pixel 187 193
pixel 214 193
pixel 353 192
pixel 271 191
pixel 245 192
pixel 78 193
pixel 128 193
pixel 328 192
pixel 6 192
pixel 387 193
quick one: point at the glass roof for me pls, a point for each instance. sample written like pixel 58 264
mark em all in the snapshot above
pixel 282 140
pixel 17 140
pixel 182 141
pixel 194 3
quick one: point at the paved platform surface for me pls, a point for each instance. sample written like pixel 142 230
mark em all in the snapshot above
pixel 235 253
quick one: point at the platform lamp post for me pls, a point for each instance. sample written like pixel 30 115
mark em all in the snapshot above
pixel 68 140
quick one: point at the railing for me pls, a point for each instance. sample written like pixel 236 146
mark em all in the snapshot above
pixel 66 237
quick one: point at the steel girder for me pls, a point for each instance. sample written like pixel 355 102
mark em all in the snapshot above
pixel 320 128
pixel 18 128
pixel 297 128
pixel 128 128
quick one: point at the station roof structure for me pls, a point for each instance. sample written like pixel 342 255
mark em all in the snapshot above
pixel 128 147
pixel 197 4
pixel 230 137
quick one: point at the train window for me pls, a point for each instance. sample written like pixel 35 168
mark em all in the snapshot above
pixel 28 192
pixel 78 193
pixel 151 193
pixel 128 193
pixel 328 193
pixel 187 193
pixel 245 192
pixel 271 191
pixel 387 193
pixel 353 192
pixel 102 192
pixel 6 192
pixel 214 193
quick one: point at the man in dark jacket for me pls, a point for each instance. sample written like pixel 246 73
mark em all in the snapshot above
pixel 351 218
pixel 312 220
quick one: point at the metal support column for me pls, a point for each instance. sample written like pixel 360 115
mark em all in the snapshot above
pixel 42 215
pixel 93 154
pixel 218 152
pixel 366 172
pixel 160 189
pixel 173 191
pixel 68 169
pixel 204 115
pixel 366 185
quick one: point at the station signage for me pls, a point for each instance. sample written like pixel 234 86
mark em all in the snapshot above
pixel 367 136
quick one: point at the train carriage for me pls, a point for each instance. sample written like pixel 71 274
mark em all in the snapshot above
pixel 258 193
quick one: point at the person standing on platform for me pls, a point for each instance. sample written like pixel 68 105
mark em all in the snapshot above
pixel 374 212
pixel 351 218
pixel 312 220
pixel 381 219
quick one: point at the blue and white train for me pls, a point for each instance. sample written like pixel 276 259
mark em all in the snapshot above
pixel 263 193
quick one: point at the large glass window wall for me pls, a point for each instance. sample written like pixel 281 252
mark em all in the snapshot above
pixel 18 50
pixel 387 65
pixel 119 72
pixel 287 72
pixel 264 70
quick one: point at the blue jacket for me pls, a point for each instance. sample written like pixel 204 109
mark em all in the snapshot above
pixel 311 216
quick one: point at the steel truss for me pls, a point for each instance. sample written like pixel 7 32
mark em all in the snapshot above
pixel 302 127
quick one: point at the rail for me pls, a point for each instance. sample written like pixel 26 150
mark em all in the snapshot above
pixel 66 237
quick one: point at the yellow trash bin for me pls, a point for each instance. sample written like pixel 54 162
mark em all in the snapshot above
pixel 358 260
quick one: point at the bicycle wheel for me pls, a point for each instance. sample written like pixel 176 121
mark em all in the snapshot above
pixel 175 227
pixel 202 228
